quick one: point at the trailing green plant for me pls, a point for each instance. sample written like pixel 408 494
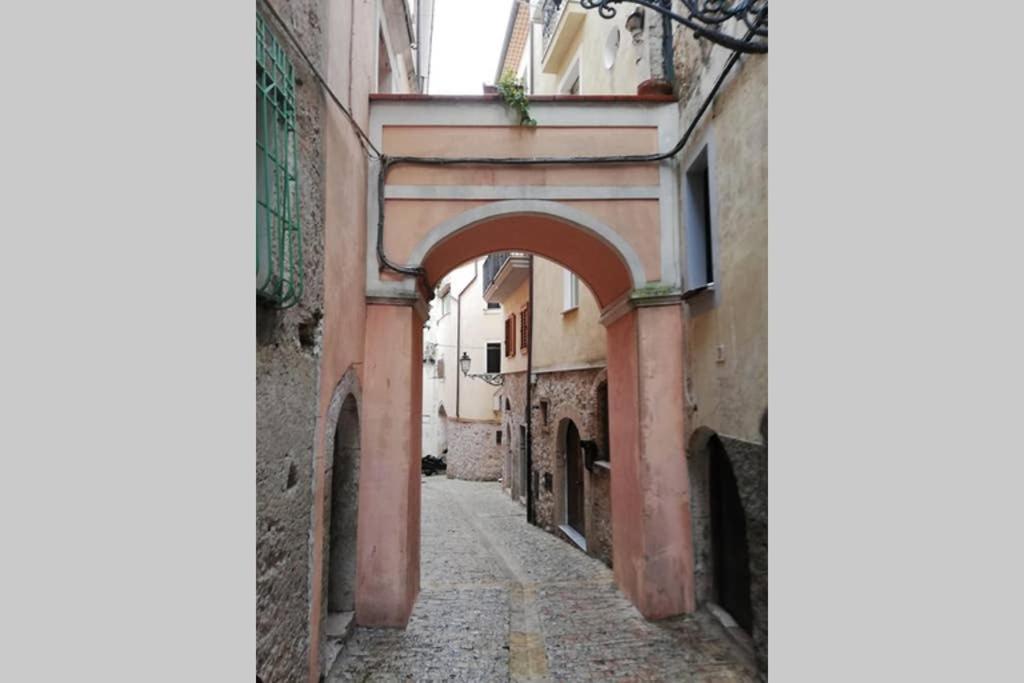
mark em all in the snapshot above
pixel 514 93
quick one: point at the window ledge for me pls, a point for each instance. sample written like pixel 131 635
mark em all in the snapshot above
pixel 603 464
pixel 690 293
pixel 570 309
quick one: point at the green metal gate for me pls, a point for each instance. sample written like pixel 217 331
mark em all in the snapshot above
pixel 278 238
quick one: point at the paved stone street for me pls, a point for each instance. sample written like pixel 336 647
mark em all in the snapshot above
pixel 502 600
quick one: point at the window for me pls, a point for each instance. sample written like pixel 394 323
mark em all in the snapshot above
pixel 570 291
pixel 510 336
pixel 697 214
pixel 493 357
pixel 524 327
pixel 497 437
pixel 493 307
pixel 446 304
pixel 278 239
pixel 439 368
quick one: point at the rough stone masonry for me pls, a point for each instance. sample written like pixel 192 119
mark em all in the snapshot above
pixel 287 361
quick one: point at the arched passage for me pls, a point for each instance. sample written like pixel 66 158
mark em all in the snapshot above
pixel 341 577
pixel 651 537
pixel 337 559
pixel 609 264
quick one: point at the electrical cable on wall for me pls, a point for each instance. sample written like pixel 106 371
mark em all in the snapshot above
pixel 389 162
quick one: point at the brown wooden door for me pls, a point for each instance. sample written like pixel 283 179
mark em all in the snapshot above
pixel 574 478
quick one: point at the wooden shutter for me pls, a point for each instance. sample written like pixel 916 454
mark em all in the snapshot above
pixel 510 336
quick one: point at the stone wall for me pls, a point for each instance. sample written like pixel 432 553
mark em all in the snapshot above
pixel 559 396
pixel 473 451
pixel 513 416
pixel 571 395
pixel 287 360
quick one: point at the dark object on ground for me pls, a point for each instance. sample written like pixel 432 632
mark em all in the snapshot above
pixel 431 465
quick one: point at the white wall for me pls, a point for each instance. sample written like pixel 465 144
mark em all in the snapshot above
pixel 476 398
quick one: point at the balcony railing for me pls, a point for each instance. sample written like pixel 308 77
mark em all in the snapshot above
pixel 550 11
pixel 493 264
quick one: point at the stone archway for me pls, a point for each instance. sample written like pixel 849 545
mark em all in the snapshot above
pixel 651 542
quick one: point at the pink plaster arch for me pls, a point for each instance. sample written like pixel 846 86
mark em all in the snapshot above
pixel 572 238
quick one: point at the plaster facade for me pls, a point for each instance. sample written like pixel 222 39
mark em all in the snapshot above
pixel 727 326
pixel 303 352
pixel 671 367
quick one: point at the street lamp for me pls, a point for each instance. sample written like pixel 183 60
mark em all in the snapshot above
pixel 492 378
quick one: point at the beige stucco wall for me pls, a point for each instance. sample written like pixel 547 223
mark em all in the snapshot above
pixel 588 45
pixel 514 304
pixel 566 338
pixel 728 389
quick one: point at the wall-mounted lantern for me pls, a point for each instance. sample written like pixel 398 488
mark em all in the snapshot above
pixel 492 378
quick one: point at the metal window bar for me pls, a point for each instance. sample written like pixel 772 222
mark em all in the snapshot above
pixel 278 237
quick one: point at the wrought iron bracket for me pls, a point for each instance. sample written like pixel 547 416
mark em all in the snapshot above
pixel 706 19
pixel 494 379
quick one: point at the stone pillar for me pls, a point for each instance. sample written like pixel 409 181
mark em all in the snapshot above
pixel 651 532
pixel 388 536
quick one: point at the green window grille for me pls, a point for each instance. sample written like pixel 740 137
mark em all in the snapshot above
pixel 278 238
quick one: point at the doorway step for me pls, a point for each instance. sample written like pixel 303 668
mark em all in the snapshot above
pixel 337 629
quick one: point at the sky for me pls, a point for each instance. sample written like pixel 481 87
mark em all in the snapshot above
pixel 467 41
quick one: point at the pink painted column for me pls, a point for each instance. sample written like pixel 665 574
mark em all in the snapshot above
pixel 388 533
pixel 651 530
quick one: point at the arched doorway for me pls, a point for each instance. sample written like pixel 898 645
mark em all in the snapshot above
pixel 574 477
pixel 728 538
pixel 341 576
pixel 721 539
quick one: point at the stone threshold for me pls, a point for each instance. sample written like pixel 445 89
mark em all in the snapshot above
pixel 574 536
pixel 743 642
pixel 338 628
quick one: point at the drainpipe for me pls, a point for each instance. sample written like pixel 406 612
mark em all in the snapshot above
pixel 458 335
pixel 668 58
pixel 531 516
pixel 532 91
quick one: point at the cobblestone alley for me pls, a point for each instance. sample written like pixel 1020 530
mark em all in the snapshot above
pixel 502 600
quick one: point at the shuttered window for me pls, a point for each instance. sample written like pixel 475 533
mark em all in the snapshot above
pixel 510 336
